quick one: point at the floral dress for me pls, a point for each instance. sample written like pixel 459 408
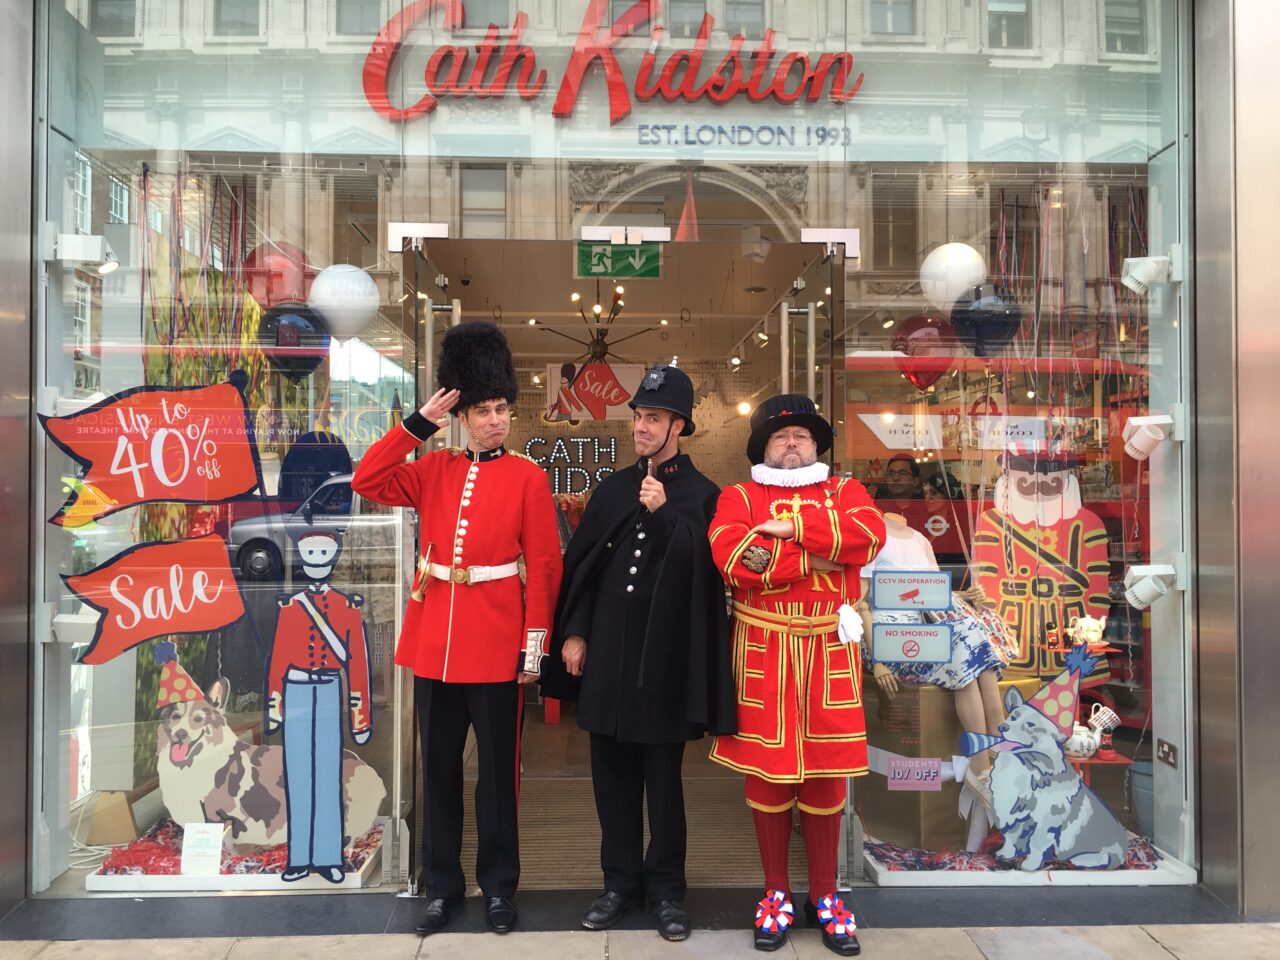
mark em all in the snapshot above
pixel 972 650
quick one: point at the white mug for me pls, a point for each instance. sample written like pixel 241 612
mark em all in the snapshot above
pixel 1102 718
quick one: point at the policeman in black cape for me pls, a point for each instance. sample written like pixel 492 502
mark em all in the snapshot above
pixel 641 641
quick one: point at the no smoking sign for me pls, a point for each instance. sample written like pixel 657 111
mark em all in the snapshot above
pixel 911 642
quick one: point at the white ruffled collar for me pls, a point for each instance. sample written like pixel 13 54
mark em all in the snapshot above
pixel 800 477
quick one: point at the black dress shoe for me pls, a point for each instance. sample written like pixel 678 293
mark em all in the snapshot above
pixel 501 914
pixel 672 918
pixel 606 910
pixel 835 939
pixel 774 915
pixel 434 917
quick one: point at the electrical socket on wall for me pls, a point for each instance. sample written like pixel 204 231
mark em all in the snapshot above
pixel 1167 753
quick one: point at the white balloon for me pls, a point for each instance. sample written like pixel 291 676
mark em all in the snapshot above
pixel 949 272
pixel 346 297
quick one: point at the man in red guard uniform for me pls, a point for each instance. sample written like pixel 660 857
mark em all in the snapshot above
pixel 473 633
pixel 791 543
pixel 319 636
pixel 1042 557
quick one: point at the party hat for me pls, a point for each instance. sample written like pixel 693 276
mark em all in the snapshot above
pixel 176 685
pixel 972 744
pixel 1059 699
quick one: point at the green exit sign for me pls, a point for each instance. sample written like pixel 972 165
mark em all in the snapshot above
pixel 618 260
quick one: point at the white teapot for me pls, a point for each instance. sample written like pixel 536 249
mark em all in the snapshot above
pixel 1083 743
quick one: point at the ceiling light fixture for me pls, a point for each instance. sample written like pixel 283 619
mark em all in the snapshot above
pixel 744 408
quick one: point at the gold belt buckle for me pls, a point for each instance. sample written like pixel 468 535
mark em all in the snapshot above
pixel 462 575
pixel 801 623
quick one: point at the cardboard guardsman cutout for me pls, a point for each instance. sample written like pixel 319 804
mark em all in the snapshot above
pixel 320 636
pixel 1041 556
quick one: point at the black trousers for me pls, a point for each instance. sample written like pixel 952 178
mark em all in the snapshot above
pixel 445 712
pixel 624 776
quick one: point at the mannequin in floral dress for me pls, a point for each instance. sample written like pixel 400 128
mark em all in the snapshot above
pixel 976 663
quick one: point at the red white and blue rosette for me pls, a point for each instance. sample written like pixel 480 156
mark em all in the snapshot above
pixel 836 918
pixel 774 914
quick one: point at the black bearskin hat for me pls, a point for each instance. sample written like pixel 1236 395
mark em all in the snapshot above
pixel 476 361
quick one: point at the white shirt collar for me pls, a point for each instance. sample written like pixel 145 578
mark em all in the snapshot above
pixel 799 477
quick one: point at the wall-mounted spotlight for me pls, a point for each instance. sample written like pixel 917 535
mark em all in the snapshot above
pixel 1145 583
pixel 744 408
pixel 533 321
pixel 537 380
pixel 762 337
pixel 1143 434
pixel 88 250
pixel 1139 273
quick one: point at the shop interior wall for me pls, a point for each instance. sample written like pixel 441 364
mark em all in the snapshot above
pixel 16 46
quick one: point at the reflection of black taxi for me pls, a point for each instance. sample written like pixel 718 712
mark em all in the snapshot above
pixel 260 545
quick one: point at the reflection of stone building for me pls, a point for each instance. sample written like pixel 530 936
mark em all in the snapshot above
pixel 270 91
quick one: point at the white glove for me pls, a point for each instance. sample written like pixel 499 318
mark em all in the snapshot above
pixel 850 629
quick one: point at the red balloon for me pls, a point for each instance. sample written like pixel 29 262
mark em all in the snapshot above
pixel 277 273
pixel 930 345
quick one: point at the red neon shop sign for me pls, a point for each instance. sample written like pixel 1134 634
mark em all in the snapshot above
pixel 503 64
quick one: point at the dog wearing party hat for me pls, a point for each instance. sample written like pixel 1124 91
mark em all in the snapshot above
pixel 1041 807
pixel 208 774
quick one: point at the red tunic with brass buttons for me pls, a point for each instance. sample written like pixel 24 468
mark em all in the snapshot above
pixel 475 510
pixel 799 687
pixel 300 645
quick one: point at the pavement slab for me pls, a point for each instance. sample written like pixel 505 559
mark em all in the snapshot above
pixel 192 948
pixel 1240 941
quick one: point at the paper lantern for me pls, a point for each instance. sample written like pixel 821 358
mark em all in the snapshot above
pixel 294 339
pixel 346 297
pixel 949 271
pixel 930 345
pixel 277 273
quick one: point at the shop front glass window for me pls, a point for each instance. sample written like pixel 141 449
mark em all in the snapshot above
pixel 114 18
pixel 745 17
pixel 293 240
pixel 481 13
pixel 893 16
pixel 1008 24
pixel 237 18
pixel 358 17
pixel 1126 26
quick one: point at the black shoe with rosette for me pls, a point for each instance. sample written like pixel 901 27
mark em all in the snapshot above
pixel 774 916
pixel 839 928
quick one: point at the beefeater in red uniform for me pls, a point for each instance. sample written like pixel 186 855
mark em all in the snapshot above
pixel 473 634
pixel 790 543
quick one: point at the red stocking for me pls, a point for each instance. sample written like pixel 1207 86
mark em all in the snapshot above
pixel 771 805
pixel 773 833
pixel 821 844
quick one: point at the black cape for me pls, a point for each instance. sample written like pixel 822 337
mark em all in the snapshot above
pixel 644 590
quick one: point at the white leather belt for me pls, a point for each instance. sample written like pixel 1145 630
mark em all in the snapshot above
pixel 470 575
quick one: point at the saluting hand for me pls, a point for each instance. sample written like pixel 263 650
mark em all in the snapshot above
pixel 574 655
pixel 441 402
